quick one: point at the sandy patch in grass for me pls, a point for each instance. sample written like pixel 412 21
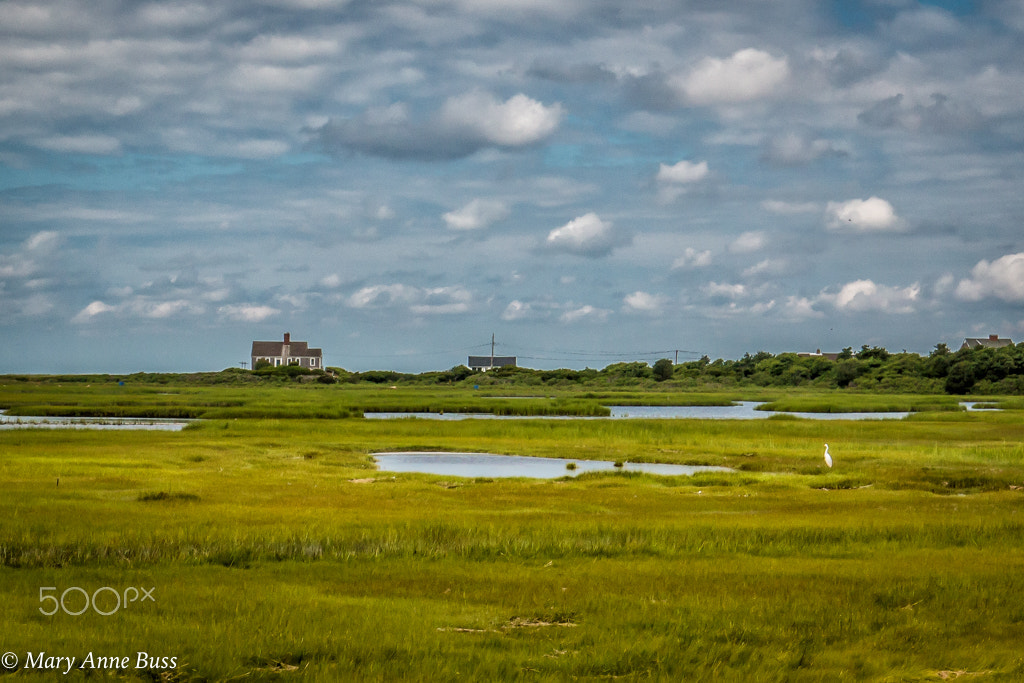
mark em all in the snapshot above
pixel 951 675
pixel 512 624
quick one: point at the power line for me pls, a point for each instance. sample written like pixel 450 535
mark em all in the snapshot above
pixel 626 354
pixel 602 354
pixel 603 359
pixel 447 352
pixel 535 353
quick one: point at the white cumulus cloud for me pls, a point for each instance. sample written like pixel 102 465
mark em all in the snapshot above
pixel 25 263
pixel 147 308
pixel 249 313
pixel 863 215
pixel 643 302
pixel 800 308
pixel 747 75
pixel 692 258
pixel 748 242
pixel 442 301
pixel 140 306
pixel 420 301
pixel 516 310
pixel 944 284
pixel 586 235
pixel 477 214
pixel 91 311
pixel 330 281
pixel 463 125
pixel 767 267
pixel 865 295
pixel 518 121
pixel 1001 279
pixel 674 180
pixel 682 172
pixel 44 240
pixel 585 313
pixel 724 289
pixel 382 295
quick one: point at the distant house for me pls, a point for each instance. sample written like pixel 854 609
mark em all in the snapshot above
pixel 287 352
pixel 993 342
pixel 818 354
pixel 486 363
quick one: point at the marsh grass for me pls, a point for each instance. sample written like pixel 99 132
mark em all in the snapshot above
pixel 832 402
pixel 107 399
pixel 278 553
pixel 311 401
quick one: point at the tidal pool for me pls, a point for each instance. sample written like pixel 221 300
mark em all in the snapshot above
pixel 40 422
pixel 489 465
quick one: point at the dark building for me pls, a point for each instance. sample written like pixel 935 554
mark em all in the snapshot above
pixel 489 362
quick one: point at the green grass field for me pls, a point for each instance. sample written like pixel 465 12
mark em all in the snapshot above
pixel 275 550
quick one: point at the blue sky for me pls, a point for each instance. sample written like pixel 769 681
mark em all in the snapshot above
pixel 589 180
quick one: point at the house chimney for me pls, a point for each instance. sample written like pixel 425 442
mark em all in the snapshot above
pixel 287 338
pixel 993 337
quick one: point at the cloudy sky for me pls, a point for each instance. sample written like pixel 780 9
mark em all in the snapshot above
pixel 589 180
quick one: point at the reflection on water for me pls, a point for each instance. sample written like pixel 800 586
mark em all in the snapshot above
pixel 487 465
pixel 741 410
pixel 972 406
pixel 38 422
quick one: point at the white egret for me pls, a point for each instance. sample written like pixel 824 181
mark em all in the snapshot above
pixel 828 458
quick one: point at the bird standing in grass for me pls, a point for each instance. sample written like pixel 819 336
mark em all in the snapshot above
pixel 828 458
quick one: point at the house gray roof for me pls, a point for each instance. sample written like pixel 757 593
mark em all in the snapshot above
pixel 491 361
pixel 274 348
pixel 992 342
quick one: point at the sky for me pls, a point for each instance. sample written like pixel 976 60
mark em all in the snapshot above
pixel 590 181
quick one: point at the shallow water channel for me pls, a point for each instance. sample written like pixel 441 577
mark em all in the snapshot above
pixel 741 410
pixel 40 422
pixel 488 465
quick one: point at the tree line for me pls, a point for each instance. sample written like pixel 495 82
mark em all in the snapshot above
pixel 981 371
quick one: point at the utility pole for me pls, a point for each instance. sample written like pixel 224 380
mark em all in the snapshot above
pixel 492 349
pixel 677 357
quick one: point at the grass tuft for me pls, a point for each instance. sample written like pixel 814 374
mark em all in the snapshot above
pixel 167 496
